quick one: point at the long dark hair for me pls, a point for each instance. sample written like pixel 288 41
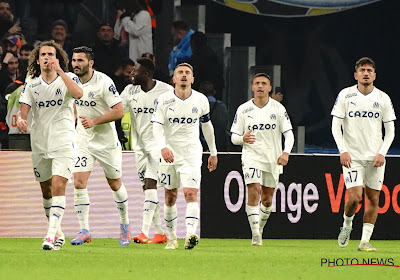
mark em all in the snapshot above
pixel 61 55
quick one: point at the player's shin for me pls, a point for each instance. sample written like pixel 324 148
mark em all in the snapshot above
pixel 192 217
pixel 149 207
pixel 171 217
pixel 82 206
pixel 121 200
pixel 56 214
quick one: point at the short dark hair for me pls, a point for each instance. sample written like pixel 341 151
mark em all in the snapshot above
pixel 262 75
pixel 86 50
pixel 364 61
pixel 148 65
pixel 125 62
pixel 198 38
pixel 207 88
pixel 181 25
pixel 26 47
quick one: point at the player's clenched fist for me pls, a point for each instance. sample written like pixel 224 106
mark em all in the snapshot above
pixel 22 125
pixel 248 137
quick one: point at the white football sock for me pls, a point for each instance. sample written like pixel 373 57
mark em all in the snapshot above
pixel 192 217
pixel 265 212
pixel 367 231
pixel 157 220
pixel 253 217
pixel 56 214
pixel 82 206
pixel 348 221
pixel 121 200
pixel 149 206
pixel 171 220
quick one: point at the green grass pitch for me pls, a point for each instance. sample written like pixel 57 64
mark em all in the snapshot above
pixel 23 258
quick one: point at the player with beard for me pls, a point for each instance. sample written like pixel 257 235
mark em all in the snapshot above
pixel 357 118
pixel 140 98
pixel 97 140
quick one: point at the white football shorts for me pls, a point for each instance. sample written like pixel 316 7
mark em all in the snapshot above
pixel 55 163
pixel 173 176
pixel 110 160
pixel 363 173
pixel 147 165
pixel 264 178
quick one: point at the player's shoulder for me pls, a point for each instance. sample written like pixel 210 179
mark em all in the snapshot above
pixel 348 92
pixel 162 85
pixel 380 93
pixel 100 77
pixel 167 97
pixel 73 77
pixel 246 107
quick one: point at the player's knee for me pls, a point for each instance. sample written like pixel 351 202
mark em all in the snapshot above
pixel 191 196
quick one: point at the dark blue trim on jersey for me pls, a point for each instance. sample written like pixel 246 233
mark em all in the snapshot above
pixel 87 80
pixel 236 133
pixel 170 220
pixel 337 117
pixel 121 201
pixel 367 93
pixel 25 104
pixel 192 218
pixel 156 122
pixel 287 131
pixel 186 97
pixel 252 100
pixel 389 121
pixel 41 77
pixel 151 201
pixel 116 104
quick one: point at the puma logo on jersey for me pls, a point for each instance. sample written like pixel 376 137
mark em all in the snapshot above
pixel 353 103
pixel 172 109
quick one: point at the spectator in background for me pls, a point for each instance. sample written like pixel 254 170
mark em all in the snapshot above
pixel 9 25
pixel 12 44
pixel 9 71
pixel 25 51
pixel 181 38
pixel 122 77
pixel 23 60
pixel 58 33
pixel 17 140
pixel 205 62
pixel 136 21
pixel 219 118
pixel 158 73
pixel 107 50
pixel 277 95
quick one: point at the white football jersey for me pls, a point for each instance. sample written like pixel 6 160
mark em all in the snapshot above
pixel 53 120
pixel 268 123
pixel 362 120
pixel 181 121
pixel 99 95
pixel 141 106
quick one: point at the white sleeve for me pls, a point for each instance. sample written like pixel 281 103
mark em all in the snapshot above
pixel 337 134
pixel 289 141
pixel 208 132
pixel 237 139
pixel 137 26
pixel 158 132
pixel 388 139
